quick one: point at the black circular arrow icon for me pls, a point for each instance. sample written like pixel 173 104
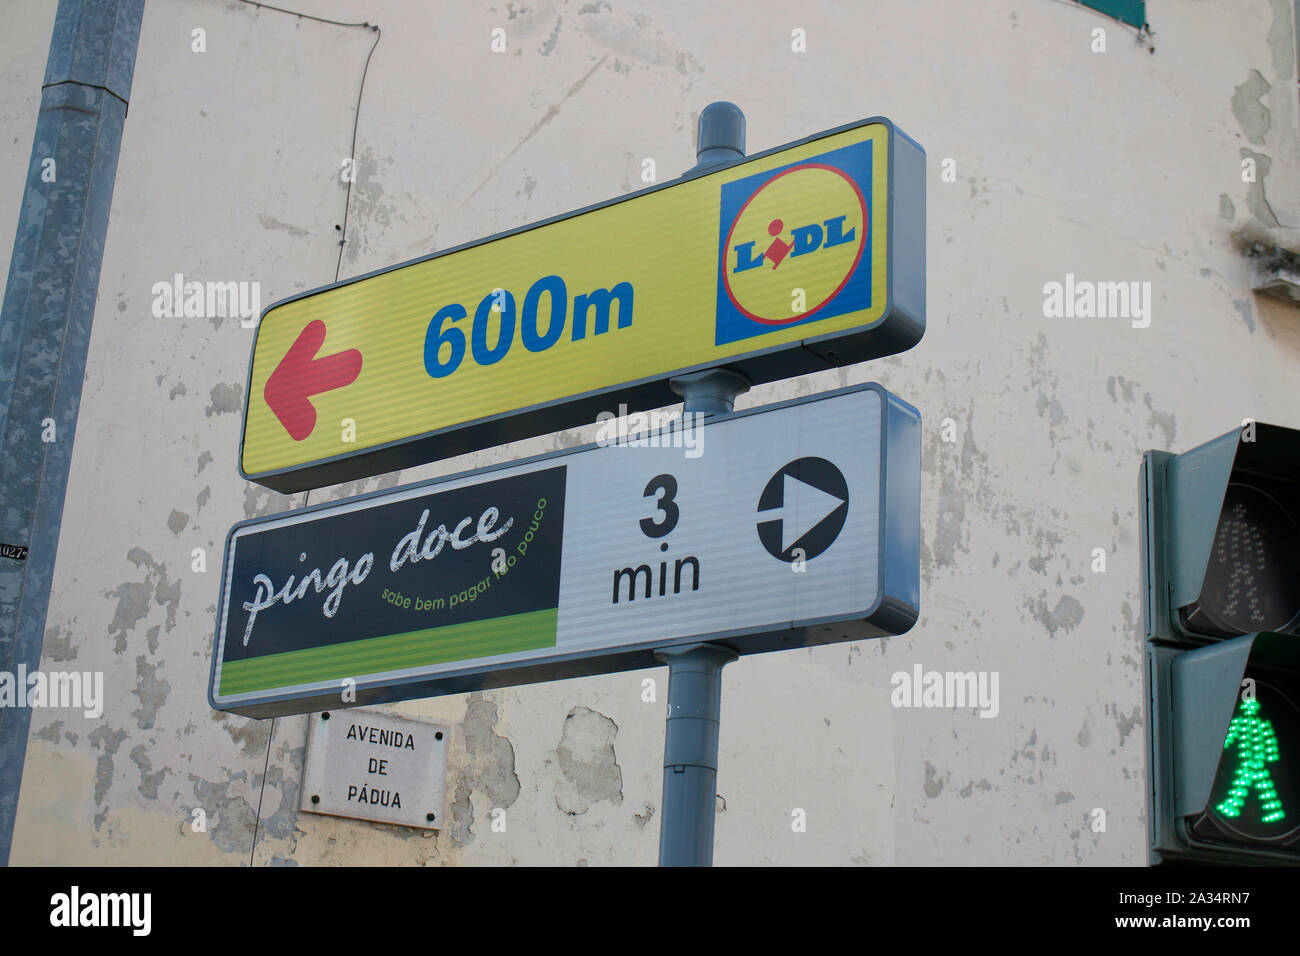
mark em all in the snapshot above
pixel 807 503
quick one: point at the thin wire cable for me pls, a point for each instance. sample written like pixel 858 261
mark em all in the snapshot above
pixel 305 16
pixel 352 152
pixel 261 792
pixel 338 267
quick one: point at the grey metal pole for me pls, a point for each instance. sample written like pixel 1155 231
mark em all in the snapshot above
pixel 49 303
pixel 686 821
pixel 691 752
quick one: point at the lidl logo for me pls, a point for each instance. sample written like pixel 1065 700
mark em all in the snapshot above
pixel 792 242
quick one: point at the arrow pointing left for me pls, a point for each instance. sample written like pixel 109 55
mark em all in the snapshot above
pixel 301 375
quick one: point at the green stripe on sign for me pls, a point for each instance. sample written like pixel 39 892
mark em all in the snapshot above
pixel 374 655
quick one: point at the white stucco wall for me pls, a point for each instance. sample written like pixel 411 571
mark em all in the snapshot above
pixel 1115 166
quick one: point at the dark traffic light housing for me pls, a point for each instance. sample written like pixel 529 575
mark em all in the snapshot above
pixel 1221 605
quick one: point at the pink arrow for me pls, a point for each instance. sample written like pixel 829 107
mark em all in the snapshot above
pixel 300 375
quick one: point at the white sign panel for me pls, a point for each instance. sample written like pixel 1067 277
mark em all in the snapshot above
pixel 786 526
pixel 376 766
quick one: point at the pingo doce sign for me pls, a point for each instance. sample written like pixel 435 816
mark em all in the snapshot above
pixel 798 524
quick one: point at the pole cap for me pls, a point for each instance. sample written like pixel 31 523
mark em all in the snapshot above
pixel 721 135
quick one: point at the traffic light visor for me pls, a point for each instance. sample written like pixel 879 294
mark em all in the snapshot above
pixel 1234 534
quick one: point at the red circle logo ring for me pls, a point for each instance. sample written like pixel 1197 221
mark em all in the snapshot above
pixel 726 275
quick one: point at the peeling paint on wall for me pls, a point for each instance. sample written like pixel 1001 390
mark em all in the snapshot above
pixel 487 767
pixel 1281 40
pixel 149 780
pixel 151 690
pixel 107 741
pixel 134 597
pixel 234 816
pixel 225 398
pixel 588 764
pixel 1248 107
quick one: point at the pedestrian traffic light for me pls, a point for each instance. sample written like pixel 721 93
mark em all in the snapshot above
pixel 1221 604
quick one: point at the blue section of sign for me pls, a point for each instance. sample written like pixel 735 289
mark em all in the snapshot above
pixel 732 324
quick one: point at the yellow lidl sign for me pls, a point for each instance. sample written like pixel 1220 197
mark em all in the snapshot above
pixel 805 257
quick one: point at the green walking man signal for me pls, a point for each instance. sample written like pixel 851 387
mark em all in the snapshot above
pixel 1256 748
